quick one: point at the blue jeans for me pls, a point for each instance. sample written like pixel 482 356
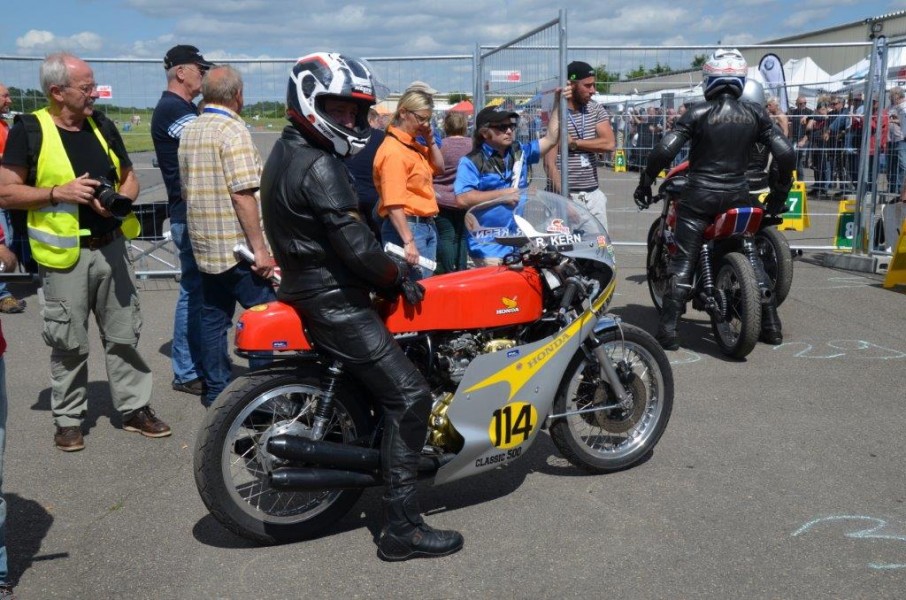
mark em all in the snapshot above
pixel 185 349
pixel 425 236
pixel 8 236
pixel 4 571
pixel 220 293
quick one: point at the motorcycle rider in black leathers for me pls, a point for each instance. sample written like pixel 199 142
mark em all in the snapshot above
pixel 722 132
pixel 331 261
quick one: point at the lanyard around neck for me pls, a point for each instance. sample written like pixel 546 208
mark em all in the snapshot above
pixel 219 111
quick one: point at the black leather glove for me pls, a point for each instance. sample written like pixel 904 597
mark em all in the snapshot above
pixel 412 291
pixel 775 203
pixel 642 196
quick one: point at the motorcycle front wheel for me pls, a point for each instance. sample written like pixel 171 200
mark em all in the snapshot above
pixel 656 263
pixel 774 250
pixel 736 289
pixel 232 463
pixel 598 434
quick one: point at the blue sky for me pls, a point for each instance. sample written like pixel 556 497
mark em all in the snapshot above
pixel 290 28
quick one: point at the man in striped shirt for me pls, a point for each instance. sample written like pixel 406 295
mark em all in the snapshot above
pixel 590 133
pixel 185 69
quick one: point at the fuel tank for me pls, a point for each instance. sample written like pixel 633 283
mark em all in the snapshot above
pixel 481 298
pixel 475 299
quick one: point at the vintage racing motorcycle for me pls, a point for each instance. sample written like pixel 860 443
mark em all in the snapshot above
pixel 510 351
pixel 724 284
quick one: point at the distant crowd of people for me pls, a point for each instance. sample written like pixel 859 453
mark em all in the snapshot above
pixel 826 131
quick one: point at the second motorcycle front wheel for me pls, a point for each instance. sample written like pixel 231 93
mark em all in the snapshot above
pixel 598 433
pixel 774 250
pixel 232 464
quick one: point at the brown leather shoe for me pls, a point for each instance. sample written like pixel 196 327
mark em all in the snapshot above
pixel 144 422
pixel 69 439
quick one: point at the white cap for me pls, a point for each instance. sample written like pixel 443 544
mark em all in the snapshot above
pixel 422 87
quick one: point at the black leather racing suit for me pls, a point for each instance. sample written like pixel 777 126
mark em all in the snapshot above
pixel 721 132
pixel 330 261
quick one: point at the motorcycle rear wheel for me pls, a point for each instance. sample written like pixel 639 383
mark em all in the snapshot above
pixel 617 438
pixel 735 282
pixel 657 263
pixel 774 250
pixel 231 471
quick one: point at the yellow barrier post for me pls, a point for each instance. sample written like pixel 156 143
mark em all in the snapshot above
pixel 846 218
pixel 796 216
pixel 896 270
pixel 619 162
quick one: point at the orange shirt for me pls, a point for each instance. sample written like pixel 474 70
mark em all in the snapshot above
pixel 404 175
pixel 4 133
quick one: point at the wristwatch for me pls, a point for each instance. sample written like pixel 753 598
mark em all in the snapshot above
pixel 573 145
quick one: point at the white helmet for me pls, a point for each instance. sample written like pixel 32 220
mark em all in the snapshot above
pixel 724 71
pixel 321 76
pixel 754 92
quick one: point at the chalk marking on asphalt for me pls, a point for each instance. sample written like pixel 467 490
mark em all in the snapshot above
pixel 853 346
pixel 869 533
pixel 689 358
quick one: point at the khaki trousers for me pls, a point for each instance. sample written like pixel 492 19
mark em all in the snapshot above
pixel 101 282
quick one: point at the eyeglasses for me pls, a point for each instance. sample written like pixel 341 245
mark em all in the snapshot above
pixel 504 127
pixel 201 70
pixel 422 119
pixel 87 89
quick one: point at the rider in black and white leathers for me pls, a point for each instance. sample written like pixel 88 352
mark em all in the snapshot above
pixel 330 262
pixel 722 132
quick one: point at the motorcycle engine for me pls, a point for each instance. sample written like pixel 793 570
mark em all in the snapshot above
pixel 452 358
pixel 455 354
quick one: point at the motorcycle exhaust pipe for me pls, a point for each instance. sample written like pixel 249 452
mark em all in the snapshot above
pixel 330 455
pixel 304 479
pixel 324 454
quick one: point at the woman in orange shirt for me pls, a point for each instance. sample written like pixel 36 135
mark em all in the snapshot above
pixel 404 171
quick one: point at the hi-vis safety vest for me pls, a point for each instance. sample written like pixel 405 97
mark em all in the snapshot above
pixel 53 231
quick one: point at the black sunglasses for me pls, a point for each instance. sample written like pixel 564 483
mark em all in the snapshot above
pixel 503 128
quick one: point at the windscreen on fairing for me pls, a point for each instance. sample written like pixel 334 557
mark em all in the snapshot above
pixel 538 218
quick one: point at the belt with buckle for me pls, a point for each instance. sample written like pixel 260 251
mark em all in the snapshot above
pixel 414 219
pixel 94 242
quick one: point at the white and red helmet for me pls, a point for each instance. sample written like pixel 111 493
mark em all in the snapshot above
pixel 318 77
pixel 724 71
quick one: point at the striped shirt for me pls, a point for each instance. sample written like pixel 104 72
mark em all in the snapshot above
pixel 217 158
pixel 582 125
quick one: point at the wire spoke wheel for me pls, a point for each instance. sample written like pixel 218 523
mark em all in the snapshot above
pixel 232 464
pixel 617 436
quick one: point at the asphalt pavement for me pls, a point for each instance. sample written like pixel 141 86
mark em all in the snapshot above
pixel 780 476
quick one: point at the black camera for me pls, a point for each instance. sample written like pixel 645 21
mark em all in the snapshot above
pixel 119 206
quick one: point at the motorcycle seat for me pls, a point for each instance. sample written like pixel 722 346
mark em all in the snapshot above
pixel 736 221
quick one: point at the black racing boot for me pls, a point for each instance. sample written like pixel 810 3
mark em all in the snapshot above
pixel 771 332
pixel 406 535
pixel 671 309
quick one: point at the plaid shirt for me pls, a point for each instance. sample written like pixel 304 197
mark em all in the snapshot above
pixel 217 158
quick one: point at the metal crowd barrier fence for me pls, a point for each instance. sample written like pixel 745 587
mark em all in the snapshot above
pixel 520 76
pixel 644 88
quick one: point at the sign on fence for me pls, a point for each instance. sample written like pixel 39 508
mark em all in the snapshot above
pixel 509 76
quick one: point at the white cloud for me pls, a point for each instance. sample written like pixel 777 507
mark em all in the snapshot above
pixel 37 41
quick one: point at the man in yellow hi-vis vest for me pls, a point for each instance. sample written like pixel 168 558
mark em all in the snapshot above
pixel 78 186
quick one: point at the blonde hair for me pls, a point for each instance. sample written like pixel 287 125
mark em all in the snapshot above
pixel 412 101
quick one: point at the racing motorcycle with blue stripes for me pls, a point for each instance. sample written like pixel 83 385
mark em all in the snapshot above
pixel 512 352
pixel 724 283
